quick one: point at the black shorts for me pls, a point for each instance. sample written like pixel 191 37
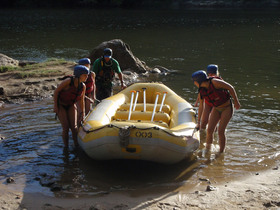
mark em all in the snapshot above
pixel 103 92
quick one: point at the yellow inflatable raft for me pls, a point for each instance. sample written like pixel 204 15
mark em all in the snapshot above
pixel 146 121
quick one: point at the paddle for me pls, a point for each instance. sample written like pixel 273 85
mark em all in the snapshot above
pixel 136 98
pixel 163 98
pixel 155 106
pixel 144 98
pixel 131 103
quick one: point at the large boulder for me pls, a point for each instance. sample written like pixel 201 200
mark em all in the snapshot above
pixel 7 61
pixel 122 53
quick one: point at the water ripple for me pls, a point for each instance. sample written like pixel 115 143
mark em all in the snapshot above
pixel 33 147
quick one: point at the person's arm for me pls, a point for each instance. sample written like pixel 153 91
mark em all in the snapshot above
pixel 82 102
pixel 121 79
pixel 200 109
pixel 221 84
pixel 117 69
pixel 197 101
pixel 62 86
pixel 94 87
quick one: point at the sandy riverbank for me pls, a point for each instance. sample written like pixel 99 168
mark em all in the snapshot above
pixel 256 191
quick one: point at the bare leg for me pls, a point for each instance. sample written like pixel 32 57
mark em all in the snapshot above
pixel 226 115
pixel 88 103
pixel 202 133
pixel 213 121
pixel 62 115
pixel 79 110
pixel 205 115
pixel 72 118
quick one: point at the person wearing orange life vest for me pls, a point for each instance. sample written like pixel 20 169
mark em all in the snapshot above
pixel 90 85
pixel 217 92
pixel 71 90
pixel 105 69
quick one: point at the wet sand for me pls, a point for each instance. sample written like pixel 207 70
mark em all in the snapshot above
pixel 256 191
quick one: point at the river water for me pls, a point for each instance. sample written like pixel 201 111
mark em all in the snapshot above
pixel 245 45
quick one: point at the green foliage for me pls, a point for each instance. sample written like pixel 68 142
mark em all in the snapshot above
pixel 37 73
pixel 4 69
pixel 44 69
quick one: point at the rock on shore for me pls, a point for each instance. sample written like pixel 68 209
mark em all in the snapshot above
pixel 123 54
pixel 7 61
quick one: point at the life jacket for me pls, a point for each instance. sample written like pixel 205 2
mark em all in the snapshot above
pixel 216 77
pixel 89 84
pixel 106 74
pixel 214 97
pixel 209 103
pixel 72 95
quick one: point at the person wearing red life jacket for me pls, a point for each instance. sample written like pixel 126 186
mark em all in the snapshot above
pixel 212 71
pixel 90 85
pixel 218 93
pixel 71 90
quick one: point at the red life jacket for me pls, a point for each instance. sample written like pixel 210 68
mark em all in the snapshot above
pixel 70 96
pixel 89 84
pixel 214 97
pixel 209 103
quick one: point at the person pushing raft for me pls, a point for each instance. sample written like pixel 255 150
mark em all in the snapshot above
pixel 90 85
pixel 71 90
pixel 218 93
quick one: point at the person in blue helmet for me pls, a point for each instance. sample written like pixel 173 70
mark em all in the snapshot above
pixel 105 69
pixel 90 85
pixel 213 72
pixel 71 90
pixel 218 93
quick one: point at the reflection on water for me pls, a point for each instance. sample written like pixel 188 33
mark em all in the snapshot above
pixel 245 44
pixel 32 153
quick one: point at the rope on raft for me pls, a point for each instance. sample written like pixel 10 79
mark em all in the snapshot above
pixel 133 127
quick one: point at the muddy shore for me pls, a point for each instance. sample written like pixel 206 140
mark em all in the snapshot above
pixel 256 191
pixel 28 84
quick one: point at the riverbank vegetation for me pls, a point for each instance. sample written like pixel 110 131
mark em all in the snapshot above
pixel 29 82
pixel 156 4
pixel 49 68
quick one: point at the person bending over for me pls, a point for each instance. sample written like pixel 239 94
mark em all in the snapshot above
pixel 71 90
pixel 218 93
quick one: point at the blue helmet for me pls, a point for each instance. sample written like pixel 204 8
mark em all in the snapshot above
pixel 108 52
pixel 212 69
pixel 84 61
pixel 199 76
pixel 79 70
